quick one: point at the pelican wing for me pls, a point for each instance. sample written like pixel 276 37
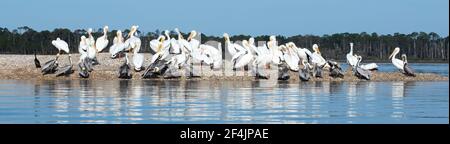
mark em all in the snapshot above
pixel 61 45
pixel 231 49
pixel 398 63
pixel 194 43
pixel 175 46
pixel 244 60
pixel 351 60
pixel 371 66
pixel 239 47
pixel 291 61
pixel 154 45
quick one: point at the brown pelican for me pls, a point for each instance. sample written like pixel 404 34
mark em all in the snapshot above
pixel 304 72
pixel 283 71
pixel 408 70
pixel 155 69
pixel 36 61
pixel 84 65
pixel 360 72
pixel 50 66
pixel 124 70
pixel 317 71
pixel 335 69
pixel 66 70
pixel 83 72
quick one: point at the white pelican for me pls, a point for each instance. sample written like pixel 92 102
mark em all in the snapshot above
pixel 118 44
pixel 90 40
pixel 213 54
pixel 102 41
pixel 82 48
pixel 370 66
pixel 196 52
pixel 60 45
pixel 91 52
pixel 159 43
pixel 133 43
pixel 232 49
pixel 317 58
pixel 161 47
pixel 277 55
pixel 396 62
pixel 179 59
pixel 302 53
pixel 263 54
pixel 183 43
pixel 242 58
pixel 351 59
pixel 290 57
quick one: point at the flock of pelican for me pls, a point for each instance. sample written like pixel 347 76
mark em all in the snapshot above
pixel 173 54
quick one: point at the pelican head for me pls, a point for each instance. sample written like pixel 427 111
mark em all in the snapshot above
pixel 132 30
pixel 396 50
pixel 89 31
pixel 316 48
pixel 106 28
pixel 226 36
pixel 192 35
pixel 245 43
pixel 166 32
pixel 351 44
pixel 83 39
pixel 291 45
pixel 272 38
pixel 404 58
pixel 119 33
pixel 282 47
pixel 306 64
pixel 161 38
pixel 251 41
pixel 58 39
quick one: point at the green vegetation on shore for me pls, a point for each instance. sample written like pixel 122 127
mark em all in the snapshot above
pixel 419 46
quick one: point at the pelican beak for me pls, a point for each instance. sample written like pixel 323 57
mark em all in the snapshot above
pixel 318 50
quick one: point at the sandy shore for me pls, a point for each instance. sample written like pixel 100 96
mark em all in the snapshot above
pixel 22 67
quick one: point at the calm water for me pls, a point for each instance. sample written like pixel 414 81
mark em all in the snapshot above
pixel 85 101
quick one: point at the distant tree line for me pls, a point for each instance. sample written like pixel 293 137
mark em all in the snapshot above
pixel 417 45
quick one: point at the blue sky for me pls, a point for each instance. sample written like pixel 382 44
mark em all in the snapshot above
pixel 253 17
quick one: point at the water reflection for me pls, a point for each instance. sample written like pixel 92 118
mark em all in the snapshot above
pixel 175 101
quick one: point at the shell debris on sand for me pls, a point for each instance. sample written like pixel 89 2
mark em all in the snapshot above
pixel 22 67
